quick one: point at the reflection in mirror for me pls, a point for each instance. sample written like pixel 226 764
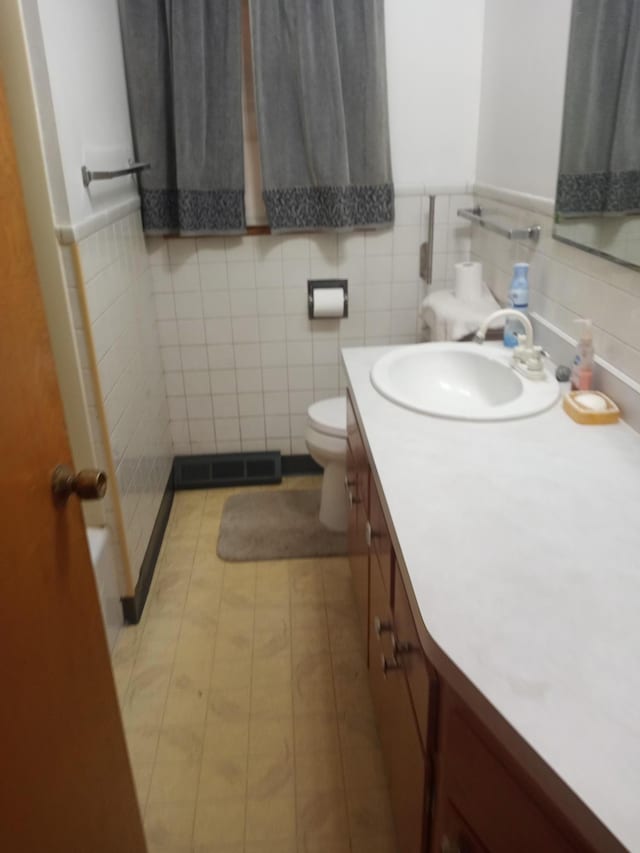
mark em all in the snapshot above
pixel 598 194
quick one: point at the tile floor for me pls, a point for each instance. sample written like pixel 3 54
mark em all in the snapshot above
pixel 246 704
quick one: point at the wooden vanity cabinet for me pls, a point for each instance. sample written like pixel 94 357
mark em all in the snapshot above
pixel 455 835
pixel 397 669
pixel 357 488
pixel 408 768
pixel 484 800
pixel 454 786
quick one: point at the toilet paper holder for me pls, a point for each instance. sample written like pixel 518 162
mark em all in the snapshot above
pixel 327 284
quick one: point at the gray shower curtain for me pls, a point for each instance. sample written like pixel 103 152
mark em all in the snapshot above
pixel 183 62
pixel 600 154
pixel 321 100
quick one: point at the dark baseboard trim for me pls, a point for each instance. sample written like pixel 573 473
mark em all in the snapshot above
pixel 300 463
pixel 133 605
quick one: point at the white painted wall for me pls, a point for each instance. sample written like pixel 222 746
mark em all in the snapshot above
pixel 83 52
pixel 434 57
pixel 521 110
pixel 523 76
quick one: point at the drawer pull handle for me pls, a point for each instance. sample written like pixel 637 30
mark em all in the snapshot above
pixel 347 487
pixel 449 846
pixel 401 647
pixel 370 534
pixel 388 665
pixel 382 627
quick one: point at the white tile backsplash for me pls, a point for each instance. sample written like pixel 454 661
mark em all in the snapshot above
pixel 567 283
pixel 246 297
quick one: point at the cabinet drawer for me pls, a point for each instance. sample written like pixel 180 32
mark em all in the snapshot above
pixel 420 678
pixel 407 771
pixel 479 783
pixel 356 484
pixel 357 458
pixel 379 536
pixel 351 479
pixel 358 555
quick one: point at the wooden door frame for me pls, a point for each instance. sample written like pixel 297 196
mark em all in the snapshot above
pixel 16 74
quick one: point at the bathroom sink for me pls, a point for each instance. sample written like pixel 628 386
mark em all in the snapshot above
pixel 464 381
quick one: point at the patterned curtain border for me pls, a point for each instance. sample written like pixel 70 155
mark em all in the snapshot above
pixel 193 212
pixel 598 193
pixel 310 208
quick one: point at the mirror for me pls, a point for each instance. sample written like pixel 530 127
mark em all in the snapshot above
pixel 598 192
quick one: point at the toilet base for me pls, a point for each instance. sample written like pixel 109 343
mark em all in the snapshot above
pixel 333 502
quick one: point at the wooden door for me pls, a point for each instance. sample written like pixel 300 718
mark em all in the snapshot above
pixel 66 783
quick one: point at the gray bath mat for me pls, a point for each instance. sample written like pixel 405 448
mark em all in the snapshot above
pixel 276 526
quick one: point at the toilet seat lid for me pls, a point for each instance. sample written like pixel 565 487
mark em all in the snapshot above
pixel 330 416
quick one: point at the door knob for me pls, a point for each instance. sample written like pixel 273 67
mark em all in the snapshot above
pixel 88 484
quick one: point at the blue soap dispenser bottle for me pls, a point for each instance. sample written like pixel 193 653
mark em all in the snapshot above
pixel 518 299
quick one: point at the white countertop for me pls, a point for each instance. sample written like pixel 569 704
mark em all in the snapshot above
pixel 522 543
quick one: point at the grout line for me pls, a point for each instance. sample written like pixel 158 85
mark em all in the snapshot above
pixel 292 688
pixel 318 598
pixel 175 649
pixel 340 744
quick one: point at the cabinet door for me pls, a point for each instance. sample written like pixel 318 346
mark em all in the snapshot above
pixel 399 736
pixel 456 836
pixel 357 486
pixel 483 785
pixel 420 675
pixel 378 537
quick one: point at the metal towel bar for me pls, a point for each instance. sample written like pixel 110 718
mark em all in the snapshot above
pixel 426 248
pixel 477 215
pixel 133 169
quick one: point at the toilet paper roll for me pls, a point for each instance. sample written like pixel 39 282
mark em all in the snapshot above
pixel 468 281
pixel 328 302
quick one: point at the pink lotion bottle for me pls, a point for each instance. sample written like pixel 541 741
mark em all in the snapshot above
pixel 582 370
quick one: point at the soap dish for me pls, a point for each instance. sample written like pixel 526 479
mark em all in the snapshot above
pixel 590 407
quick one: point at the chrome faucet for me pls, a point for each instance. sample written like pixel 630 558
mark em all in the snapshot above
pixel 481 334
pixel 527 358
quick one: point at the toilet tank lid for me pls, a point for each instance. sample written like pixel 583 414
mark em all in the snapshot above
pixel 329 416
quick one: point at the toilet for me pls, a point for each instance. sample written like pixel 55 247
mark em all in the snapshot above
pixel 326 438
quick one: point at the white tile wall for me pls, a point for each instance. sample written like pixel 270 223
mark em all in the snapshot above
pixel 242 360
pixel 119 293
pixel 567 283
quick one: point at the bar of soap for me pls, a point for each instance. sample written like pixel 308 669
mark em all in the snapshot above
pixel 590 407
pixel 593 402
